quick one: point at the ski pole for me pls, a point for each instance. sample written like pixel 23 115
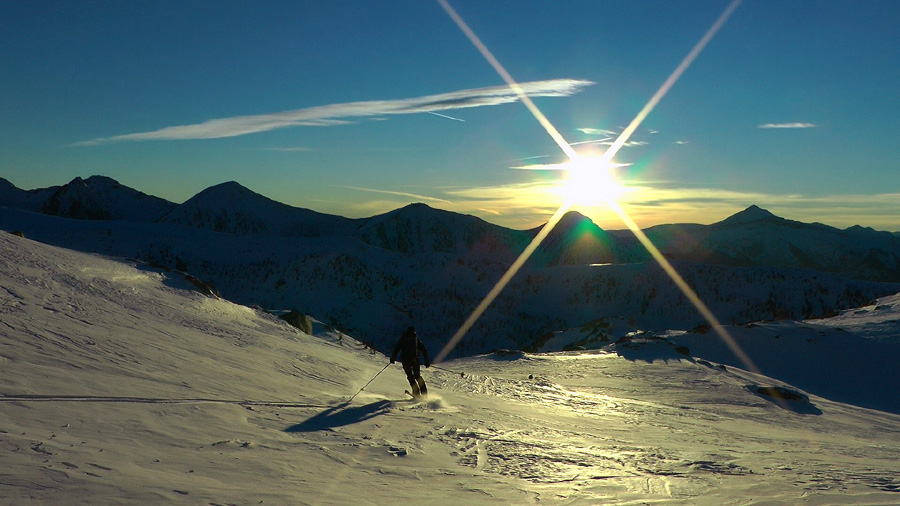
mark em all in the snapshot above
pixel 367 384
pixel 461 374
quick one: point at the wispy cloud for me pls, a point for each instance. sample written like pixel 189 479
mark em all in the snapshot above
pixel 598 131
pixel 656 203
pixel 788 125
pixel 340 114
pixel 559 166
pixel 520 204
pixel 399 194
pixel 608 137
pixel 528 204
pixel 605 140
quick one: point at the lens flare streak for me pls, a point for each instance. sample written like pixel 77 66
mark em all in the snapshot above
pixel 667 85
pixel 501 284
pixel 683 286
pixel 513 85
pixel 606 158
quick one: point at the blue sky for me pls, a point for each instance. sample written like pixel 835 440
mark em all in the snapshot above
pixel 357 108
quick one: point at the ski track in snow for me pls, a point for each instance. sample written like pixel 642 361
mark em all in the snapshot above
pixel 119 386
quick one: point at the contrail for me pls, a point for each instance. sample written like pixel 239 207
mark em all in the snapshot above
pixel 445 116
pixel 513 85
pixel 400 194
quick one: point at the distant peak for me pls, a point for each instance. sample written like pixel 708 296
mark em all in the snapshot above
pixel 750 215
pixel 95 179
pixel 232 188
pixel 231 194
pixel 228 185
pixel 416 209
pixel 573 217
pixel 575 220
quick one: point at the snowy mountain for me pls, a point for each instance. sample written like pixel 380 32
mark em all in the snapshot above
pixel 233 209
pixel 756 237
pixel 576 240
pixel 102 198
pixel 753 237
pixel 752 214
pixel 28 200
pixel 122 385
pixel 419 229
pixel 429 268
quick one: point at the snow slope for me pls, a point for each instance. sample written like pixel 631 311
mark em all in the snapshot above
pixel 120 385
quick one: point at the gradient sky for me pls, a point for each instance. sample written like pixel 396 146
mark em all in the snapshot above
pixel 357 108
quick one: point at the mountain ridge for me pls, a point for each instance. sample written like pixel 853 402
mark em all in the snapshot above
pixel 751 237
pixel 9 193
pixel 428 267
pixel 235 209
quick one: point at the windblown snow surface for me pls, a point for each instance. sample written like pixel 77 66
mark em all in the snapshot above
pixel 121 385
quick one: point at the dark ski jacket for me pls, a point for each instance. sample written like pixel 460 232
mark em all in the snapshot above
pixel 409 347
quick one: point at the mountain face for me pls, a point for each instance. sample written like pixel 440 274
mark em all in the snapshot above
pixel 430 268
pixel 756 237
pixel 576 240
pixel 94 198
pixel 751 238
pixel 233 209
pixel 26 200
pixel 417 229
pixel 752 214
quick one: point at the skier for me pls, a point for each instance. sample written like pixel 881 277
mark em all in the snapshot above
pixel 409 347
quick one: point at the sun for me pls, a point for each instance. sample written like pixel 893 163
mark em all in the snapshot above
pixel 591 181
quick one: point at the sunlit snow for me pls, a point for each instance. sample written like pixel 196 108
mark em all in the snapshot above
pixel 119 384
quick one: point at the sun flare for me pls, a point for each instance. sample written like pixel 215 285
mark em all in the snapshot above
pixel 591 181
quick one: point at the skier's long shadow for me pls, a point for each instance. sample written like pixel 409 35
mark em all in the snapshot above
pixel 341 415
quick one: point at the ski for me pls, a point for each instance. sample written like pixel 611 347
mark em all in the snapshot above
pixel 414 397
